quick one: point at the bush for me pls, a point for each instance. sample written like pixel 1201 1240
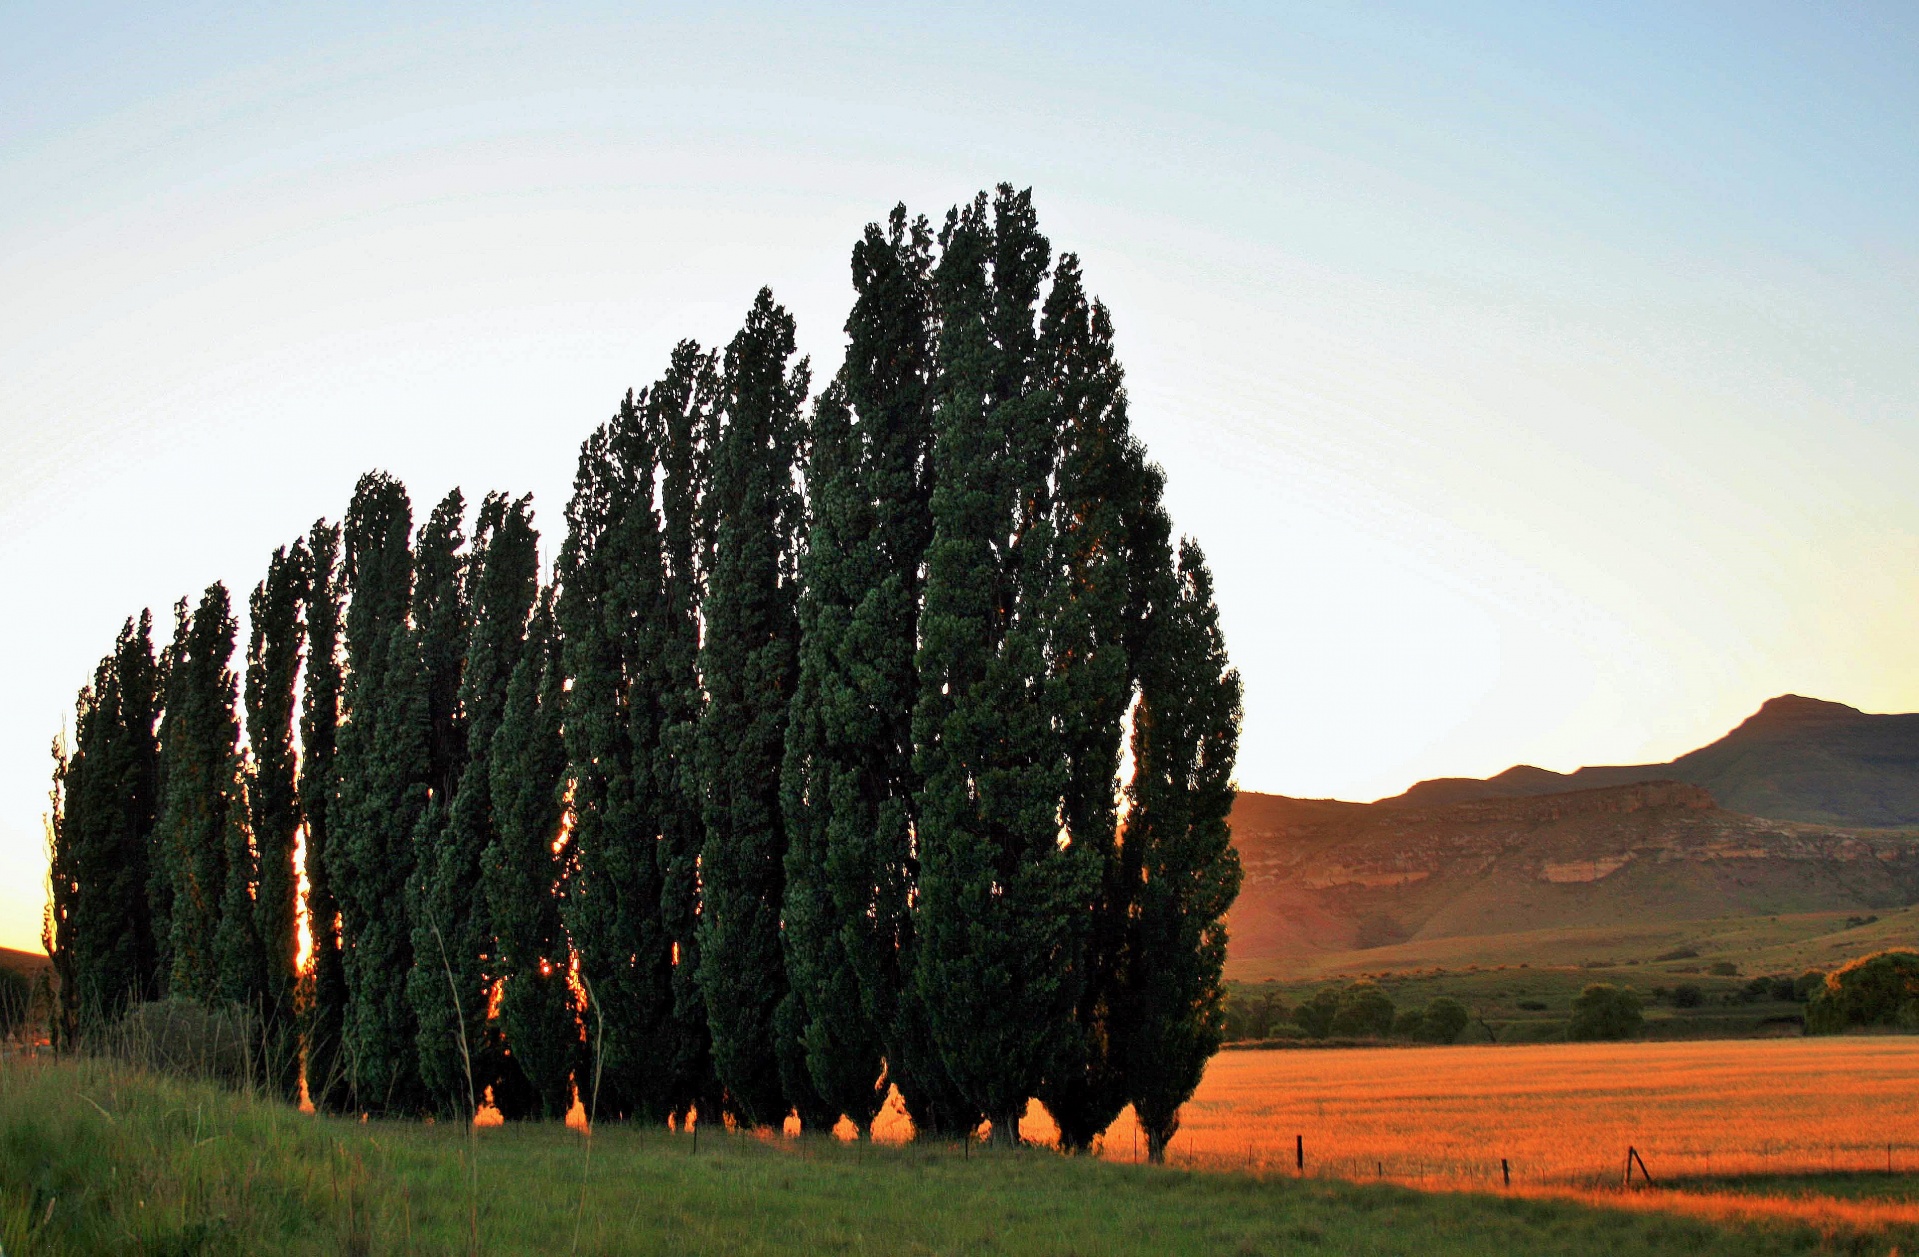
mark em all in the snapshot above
pixel 1723 969
pixel 1364 1012
pixel 1605 1011
pixel 1443 1020
pixel 1678 953
pixel 16 996
pixel 1255 1016
pixel 187 1040
pixel 1315 1016
pixel 1806 984
pixel 1410 1024
pixel 1877 990
pixel 1686 995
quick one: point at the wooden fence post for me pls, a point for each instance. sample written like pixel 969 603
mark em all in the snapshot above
pixel 1506 1171
pixel 1299 1153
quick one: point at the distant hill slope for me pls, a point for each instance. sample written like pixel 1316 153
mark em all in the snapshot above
pixel 1324 876
pixel 1798 759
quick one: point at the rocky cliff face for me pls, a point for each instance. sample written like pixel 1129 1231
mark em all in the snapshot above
pixel 1322 876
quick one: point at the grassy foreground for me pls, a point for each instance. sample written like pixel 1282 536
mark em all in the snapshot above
pixel 100 1159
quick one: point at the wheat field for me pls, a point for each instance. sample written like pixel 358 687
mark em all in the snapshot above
pixel 1559 1114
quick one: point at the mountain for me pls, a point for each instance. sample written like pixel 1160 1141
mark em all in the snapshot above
pixel 1798 759
pixel 1325 877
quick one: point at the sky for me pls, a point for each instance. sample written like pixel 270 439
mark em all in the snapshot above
pixel 1541 380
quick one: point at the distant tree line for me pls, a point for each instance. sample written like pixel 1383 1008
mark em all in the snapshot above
pixel 885 741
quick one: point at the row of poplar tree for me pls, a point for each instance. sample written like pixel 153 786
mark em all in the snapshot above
pixel 882 744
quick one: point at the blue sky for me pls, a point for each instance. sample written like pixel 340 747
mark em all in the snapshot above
pixel 1543 381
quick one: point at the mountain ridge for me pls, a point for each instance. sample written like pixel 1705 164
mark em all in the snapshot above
pixel 1796 758
pixel 1805 807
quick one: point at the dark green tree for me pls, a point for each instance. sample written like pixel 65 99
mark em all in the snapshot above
pixel 1001 897
pixel 201 755
pixel 384 762
pixel 683 403
pixel 850 785
pixel 106 826
pixel 1110 538
pixel 611 607
pixel 160 870
pixel 452 940
pixel 63 889
pixel 527 760
pixel 501 581
pixel 749 662
pixel 1185 743
pixel 273 664
pixel 821 793
pixel 325 1019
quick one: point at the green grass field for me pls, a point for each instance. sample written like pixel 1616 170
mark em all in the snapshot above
pixel 100 1159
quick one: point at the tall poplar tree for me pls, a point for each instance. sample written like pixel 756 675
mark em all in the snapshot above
pixel 527 763
pixel 1185 743
pixel 610 608
pixel 201 755
pixel 325 1020
pixel 160 861
pixel 823 1011
pixel 273 663
pixel 63 888
pixel 1109 537
pixel 105 824
pixel 1001 895
pixel 850 781
pixel 749 662
pixel 449 982
pixel 502 577
pixel 683 405
pixel 384 763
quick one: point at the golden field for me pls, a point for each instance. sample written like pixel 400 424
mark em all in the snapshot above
pixel 1560 1114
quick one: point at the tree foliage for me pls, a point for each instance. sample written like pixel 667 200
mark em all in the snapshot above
pixel 802 782
pixel 749 662
pixel 273 663
pixel 384 767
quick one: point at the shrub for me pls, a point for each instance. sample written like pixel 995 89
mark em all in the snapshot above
pixel 1605 1011
pixel 1532 1005
pixel 1807 983
pixel 1315 1016
pixel 1443 1020
pixel 1255 1016
pixel 1678 953
pixel 1877 990
pixel 1410 1024
pixel 187 1040
pixel 1723 969
pixel 16 995
pixel 1686 995
pixel 1364 1011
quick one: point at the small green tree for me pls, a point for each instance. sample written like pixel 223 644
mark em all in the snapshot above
pixel 1364 1011
pixel 1605 1011
pixel 1444 1020
pixel 1315 1015
pixel 1877 990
